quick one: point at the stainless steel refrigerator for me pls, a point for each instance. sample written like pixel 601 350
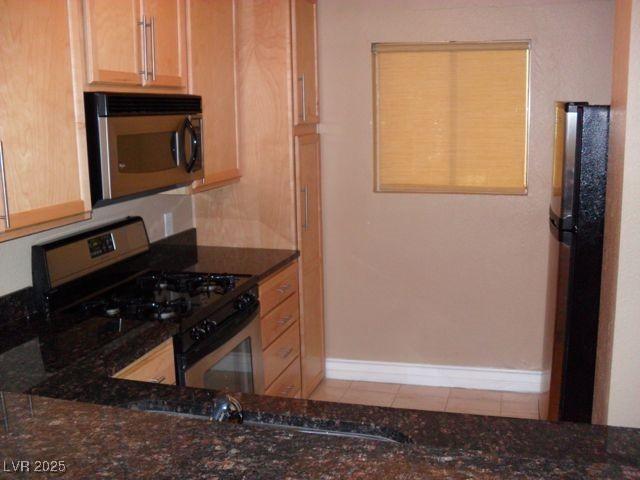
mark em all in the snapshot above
pixel 576 219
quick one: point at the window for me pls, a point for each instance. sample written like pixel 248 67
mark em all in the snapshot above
pixel 451 117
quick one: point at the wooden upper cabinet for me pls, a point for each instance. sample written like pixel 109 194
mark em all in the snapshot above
pixel 212 75
pixel 41 119
pixel 305 62
pixel 166 42
pixel 113 34
pixel 135 42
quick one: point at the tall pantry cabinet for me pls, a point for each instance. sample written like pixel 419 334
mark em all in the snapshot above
pixel 277 203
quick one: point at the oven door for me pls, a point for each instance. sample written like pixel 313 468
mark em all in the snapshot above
pixel 145 153
pixel 235 366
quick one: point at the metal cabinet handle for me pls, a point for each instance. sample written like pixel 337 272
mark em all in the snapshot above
pixel 286 390
pixel 5 193
pixel 284 320
pixel 303 100
pixel 145 58
pixel 158 379
pixel 305 221
pixel 283 288
pixel 153 48
pixel 285 352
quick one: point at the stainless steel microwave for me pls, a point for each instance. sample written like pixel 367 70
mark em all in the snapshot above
pixel 140 144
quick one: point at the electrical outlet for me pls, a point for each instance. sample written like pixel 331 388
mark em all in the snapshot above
pixel 168 224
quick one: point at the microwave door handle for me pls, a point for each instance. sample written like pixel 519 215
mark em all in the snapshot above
pixel 176 148
pixel 195 145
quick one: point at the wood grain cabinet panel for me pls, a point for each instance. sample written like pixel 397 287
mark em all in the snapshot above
pixel 310 241
pixel 278 287
pixel 281 353
pixel 305 68
pixel 136 42
pixel 212 75
pixel 112 41
pixel 41 134
pixel 288 383
pixel 279 319
pixel 167 42
pixel 156 366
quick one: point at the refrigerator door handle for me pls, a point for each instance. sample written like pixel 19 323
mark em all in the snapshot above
pixel 569 166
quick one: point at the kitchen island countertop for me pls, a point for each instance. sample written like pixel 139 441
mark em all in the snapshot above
pixel 79 414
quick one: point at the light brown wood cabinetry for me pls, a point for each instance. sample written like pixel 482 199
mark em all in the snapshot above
pixel 305 63
pixel 279 149
pixel 156 366
pixel 43 173
pixel 310 243
pixel 278 287
pixel 279 319
pixel 135 42
pixel 212 75
pixel 279 355
pixel 288 383
pixel 112 41
pixel 280 329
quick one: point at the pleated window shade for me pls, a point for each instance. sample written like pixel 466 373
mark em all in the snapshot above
pixel 451 117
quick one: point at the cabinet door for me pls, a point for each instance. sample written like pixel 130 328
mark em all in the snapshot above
pixel 166 43
pixel 112 41
pixel 39 124
pixel 305 71
pixel 310 243
pixel 212 75
pixel 308 163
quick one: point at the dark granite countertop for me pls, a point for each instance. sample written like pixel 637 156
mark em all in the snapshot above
pixel 99 433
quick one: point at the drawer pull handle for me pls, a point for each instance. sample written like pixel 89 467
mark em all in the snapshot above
pixel 158 379
pixel 285 352
pixel 283 288
pixel 284 320
pixel 287 390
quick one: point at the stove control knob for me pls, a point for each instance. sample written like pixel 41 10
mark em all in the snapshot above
pixel 209 325
pixel 244 301
pixel 197 333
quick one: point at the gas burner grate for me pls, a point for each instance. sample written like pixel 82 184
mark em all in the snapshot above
pixel 188 282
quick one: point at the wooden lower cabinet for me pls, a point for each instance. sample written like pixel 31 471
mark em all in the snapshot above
pixel 280 354
pixel 156 366
pixel 280 330
pixel 307 149
pixel 288 383
pixel 312 329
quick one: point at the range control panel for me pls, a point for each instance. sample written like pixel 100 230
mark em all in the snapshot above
pixel 101 245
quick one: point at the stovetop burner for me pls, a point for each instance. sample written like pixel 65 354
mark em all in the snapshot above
pixel 162 295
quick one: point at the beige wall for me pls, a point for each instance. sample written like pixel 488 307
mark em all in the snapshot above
pixel 618 379
pixel 444 279
pixel 15 255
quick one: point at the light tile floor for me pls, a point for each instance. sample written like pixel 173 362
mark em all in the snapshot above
pixel 438 399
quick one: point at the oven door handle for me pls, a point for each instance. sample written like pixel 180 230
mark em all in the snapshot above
pixel 231 327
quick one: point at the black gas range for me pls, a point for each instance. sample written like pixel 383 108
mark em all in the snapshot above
pixel 97 286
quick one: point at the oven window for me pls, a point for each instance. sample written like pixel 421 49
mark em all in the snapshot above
pixel 233 372
pixel 146 152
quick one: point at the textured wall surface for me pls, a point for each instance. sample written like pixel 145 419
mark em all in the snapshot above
pixel 15 255
pixel 437 278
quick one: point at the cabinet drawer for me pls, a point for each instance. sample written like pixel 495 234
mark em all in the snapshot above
pixel 278 287
pixel 279 319
pixel 156 366
pixel 281 353
pixel 288 384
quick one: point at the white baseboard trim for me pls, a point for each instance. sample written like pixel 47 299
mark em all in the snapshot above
pixel 439 375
